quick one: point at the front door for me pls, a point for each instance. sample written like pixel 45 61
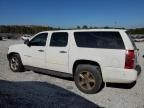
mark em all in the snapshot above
pixel 34 54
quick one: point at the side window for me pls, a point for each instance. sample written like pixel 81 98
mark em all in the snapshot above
pixel 107 40
pixel 39 40
pixel 132 41
pixel 59 39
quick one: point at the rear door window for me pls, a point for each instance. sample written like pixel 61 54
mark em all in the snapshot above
pixel 108 40
pixel 59 39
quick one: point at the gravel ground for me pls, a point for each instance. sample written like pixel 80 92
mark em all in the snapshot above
pixel 33 90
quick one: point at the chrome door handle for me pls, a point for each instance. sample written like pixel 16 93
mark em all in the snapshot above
pixel 41 50
pixel 63 52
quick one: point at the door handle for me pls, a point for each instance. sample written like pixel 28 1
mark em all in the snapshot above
pixel 41 50
pixel 63 52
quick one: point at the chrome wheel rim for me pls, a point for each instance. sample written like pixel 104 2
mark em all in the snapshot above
pixel 86 80
pixel 14 63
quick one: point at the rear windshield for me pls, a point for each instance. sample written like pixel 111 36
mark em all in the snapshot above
pixel 108 40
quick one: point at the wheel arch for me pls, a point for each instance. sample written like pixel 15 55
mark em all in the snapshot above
pixel 10 54
pixel 77 62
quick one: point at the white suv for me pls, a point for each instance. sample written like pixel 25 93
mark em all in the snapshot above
pixel 91 57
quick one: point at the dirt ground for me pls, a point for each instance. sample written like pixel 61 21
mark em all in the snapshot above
pixel 34 90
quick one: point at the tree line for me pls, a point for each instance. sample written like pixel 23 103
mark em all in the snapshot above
pixel 24 29
pixel 137 31
pixel 35 29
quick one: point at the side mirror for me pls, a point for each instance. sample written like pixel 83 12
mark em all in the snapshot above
pixel 143 56
pixel 27 42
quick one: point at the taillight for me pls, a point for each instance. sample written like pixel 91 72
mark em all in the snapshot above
pixel 129 60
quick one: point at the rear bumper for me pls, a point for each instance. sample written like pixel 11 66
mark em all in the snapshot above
pixel 117 75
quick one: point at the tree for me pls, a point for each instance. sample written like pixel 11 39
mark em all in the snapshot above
pixel 78 27
pixel 91 27
pixel 106 27
pixel 85 27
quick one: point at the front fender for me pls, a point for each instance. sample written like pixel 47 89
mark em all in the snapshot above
pixel 15 49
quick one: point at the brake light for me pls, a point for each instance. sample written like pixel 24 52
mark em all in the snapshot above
pixel 129 60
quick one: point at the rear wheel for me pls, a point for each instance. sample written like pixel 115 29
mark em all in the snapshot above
pixel 15 63
pixel 88 78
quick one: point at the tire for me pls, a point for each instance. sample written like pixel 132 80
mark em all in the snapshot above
pixel 88 78
pixel 15 63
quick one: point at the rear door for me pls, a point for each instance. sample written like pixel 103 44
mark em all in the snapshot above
pixel 57 52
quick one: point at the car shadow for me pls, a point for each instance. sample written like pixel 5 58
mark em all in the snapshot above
pixel 112 85
pixel 121 85
pixel 56 76
pixel 138 68
pixel 35 94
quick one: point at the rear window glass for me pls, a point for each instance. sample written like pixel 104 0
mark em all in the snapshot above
pixel 108 40
pixel 132 41
pixel 59 39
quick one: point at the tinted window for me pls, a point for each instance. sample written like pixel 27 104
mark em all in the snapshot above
pixel 59 39
pixel 132 41
pixel 39 40
pixel 108 40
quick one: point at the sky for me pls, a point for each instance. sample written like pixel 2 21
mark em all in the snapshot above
pixel 71 13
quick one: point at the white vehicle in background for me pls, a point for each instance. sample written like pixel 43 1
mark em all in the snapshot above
pixel 139 40
pixel 25 37
pixel 91 57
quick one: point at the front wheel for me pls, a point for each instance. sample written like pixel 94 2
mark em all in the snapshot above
pixel 15 63
pixel 88 78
